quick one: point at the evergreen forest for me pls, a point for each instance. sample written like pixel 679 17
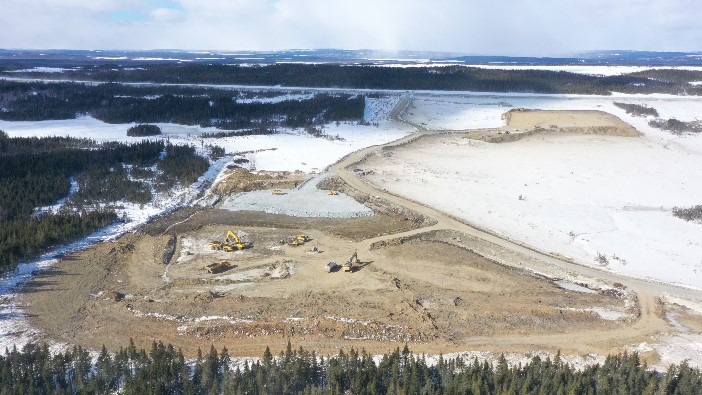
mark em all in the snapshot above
pixel 89 178
pixel 451 78
pixel 205 107
pixel 164 370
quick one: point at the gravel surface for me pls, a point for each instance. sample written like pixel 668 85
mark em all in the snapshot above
pixel 304 201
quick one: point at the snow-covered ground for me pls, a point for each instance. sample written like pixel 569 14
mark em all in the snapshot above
pixel 582 195
pixel 288 150
pixel 306 201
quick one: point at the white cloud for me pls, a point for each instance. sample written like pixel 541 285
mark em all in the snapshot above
pixel 539 27
pixel 166 15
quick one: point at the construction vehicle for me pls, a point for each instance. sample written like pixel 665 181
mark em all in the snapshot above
pixel 348 266
pixel 218 267
pixel 333 193
pixel 295 242
pixel 231 243
pixel 216 245
pixel 277 192
pixel 233 240
pixel 299 240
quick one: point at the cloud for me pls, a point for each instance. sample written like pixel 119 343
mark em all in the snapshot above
pixel 536 27
pixel 166 15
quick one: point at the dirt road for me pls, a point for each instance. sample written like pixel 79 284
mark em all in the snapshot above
pixel 649 322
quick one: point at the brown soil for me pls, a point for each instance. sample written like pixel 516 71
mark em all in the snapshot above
pixel 425 292
pixel 522 123
pixel 236 180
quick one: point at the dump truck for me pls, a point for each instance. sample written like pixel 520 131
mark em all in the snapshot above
pixel 218 267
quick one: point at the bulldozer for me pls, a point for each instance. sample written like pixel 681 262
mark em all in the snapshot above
pixel 299 240
pixel 216 245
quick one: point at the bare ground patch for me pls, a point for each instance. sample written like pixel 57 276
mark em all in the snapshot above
pixel 427 292
pixel 522 123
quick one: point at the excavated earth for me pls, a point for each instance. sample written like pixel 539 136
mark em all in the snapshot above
pixel 430 291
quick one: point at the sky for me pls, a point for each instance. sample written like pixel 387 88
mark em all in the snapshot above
pixel 497 27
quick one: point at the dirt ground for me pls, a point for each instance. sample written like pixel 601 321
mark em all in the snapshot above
pixel 413 284
pixel 425 291
pixel 522 122
pixel 237 179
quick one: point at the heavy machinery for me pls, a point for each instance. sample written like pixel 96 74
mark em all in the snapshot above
pixel 295 242
pixel 299 240
pixel 277 192
pixel 333 193
pixel 218 267
pixel 216 245
pixel 231 243
pixel 348 266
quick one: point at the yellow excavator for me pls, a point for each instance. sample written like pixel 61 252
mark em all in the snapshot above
pixel 277 192
pixel 233 240
pixel 349 265
pixel 231 243
pixel 333 193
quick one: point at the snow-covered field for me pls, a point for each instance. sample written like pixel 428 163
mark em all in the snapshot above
pixel 306 201
pixel 582 195
pixel 288 150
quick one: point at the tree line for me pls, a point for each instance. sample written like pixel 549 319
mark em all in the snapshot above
pixel 164 370
pixel 449 78
pixel 38 172
pixel 116 103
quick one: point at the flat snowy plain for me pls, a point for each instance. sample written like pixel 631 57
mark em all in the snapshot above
pixel 582 195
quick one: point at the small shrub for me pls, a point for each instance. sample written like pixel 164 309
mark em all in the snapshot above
pixel 677 127
pixel 602 259
pixel 693 213
pixel 142 130
pixel 637 109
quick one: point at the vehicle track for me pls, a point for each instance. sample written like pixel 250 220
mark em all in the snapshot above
pixel 648 323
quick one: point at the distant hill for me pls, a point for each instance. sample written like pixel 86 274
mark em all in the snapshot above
pixel 67 58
